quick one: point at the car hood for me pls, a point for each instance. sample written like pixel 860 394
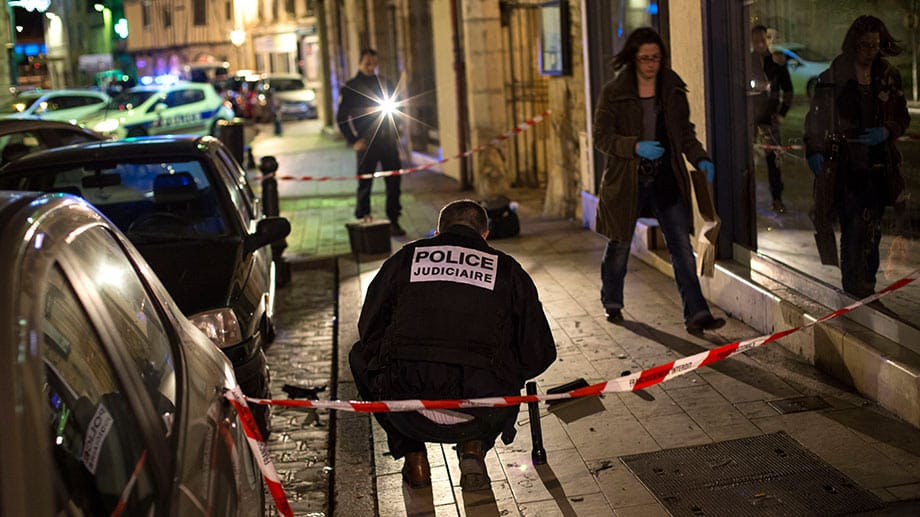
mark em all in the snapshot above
pixel 200 275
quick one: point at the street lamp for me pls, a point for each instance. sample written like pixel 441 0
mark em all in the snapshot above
pixel 238 37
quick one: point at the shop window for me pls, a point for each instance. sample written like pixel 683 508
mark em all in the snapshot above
pixel 199 12
pixel 870 222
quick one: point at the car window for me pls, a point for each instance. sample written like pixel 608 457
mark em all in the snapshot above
pixel 141 332
pixel 130 99
pixel 163 200
pixel 237 186
pixel 286 85
pixel 98 450
pixel 183 96
pixel 16 145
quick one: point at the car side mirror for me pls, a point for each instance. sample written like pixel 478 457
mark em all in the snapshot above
pixel 268 230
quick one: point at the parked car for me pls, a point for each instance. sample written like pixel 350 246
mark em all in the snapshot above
pixel 20 137
pixel 804 65
pixel 180 107
pixel 64 105
pixel 186 205
pixel 294 100
pixel 111 399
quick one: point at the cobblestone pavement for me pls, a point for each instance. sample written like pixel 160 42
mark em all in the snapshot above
pixel 302 356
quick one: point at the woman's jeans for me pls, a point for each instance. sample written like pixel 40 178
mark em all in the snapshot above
pixel 672 220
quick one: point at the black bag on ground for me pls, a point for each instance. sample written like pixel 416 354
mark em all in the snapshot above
pixel 503 220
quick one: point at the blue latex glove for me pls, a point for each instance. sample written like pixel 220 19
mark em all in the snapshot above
pixel 872 136
pixel 816 163
pixel 707 167
pixel 650 149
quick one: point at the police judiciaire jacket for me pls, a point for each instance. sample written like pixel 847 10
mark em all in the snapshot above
pixel 452 317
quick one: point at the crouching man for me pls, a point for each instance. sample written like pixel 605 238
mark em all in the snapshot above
pixel 450 317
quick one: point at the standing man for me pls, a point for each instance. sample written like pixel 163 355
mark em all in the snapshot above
pixel 450 317
pixel 366 116
pixel 772 96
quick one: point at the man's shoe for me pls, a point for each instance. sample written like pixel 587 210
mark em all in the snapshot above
pixel 416 471
pixel 704 322
pixel 396 230
pixel 615 315
pixel 473 473
pixel 778 206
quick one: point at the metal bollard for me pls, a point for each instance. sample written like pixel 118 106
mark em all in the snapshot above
pixel 538 453
pixel 268 165
pixel 231 134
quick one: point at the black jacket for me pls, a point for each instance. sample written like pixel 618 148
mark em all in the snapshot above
pixel 452 317
pixel 359 114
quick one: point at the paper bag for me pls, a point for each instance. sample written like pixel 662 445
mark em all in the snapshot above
pixel 706 223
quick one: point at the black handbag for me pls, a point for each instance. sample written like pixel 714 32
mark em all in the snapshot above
pixel 503 218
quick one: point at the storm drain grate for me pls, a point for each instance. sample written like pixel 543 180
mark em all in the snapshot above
pixel 763 475
pixel 798 404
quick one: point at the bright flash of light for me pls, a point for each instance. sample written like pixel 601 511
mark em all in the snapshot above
pixel 388 105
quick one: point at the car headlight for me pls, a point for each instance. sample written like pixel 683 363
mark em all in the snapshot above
pixel 220 325
pixel 106 126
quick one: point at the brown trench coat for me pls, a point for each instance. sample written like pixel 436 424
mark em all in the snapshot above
pixel 617 126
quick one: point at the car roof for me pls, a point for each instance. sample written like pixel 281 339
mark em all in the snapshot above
pixel 8 126
pixel 151 147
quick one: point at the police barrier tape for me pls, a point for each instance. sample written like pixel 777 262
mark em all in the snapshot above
pixel 520 128
pixel 634 382
pixel 259 450
pixel 799 147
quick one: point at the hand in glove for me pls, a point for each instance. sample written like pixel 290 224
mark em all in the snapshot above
pixel 649 149
pixel 816 163
pixel 872 136
pixel 707 167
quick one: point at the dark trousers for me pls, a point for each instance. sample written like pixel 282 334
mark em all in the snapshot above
pixel 674 223
pixel 388 158
pixel 768 134
pixel 860 215
pixel 408 431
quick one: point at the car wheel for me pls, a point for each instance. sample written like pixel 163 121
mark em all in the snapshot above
pixel 810 87
pixel 136 131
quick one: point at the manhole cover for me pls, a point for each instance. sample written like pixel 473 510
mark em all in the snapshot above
pixel 763 475
pixel 798 404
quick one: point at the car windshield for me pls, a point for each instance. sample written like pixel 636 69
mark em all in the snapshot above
pixel 130 100
pixel 286 85
pixel 18 104
pixel 164 200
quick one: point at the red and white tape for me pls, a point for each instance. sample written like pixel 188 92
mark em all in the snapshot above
pixel 634 382
pixel 520 128
pixel 259 450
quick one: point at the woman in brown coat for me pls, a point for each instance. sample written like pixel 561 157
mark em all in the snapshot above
pixel 642 125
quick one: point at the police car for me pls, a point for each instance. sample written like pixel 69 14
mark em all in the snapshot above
pixel 64 105
pixel 180 107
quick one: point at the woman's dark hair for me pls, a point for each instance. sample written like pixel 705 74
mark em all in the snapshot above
pixel 626 58
pixel 888 46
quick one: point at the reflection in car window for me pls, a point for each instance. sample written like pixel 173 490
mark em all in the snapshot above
pixel 161 198
pixel 140 329
pixel 97 442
